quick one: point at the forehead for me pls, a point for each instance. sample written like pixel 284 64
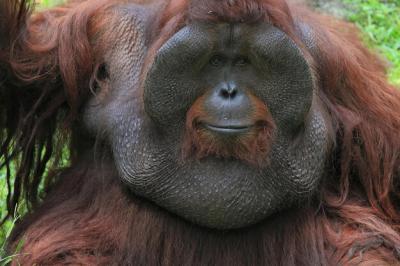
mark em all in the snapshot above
pixel 124 23
pixel 138 21
pixel 238 35
pixel 128 18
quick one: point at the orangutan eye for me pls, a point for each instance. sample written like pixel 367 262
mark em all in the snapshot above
pixel 217 60
pixel 241 61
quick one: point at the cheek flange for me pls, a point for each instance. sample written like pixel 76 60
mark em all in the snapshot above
pixel 171 84
pixel 287 82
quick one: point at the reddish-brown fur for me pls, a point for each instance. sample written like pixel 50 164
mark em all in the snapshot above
pixel 251 147
pixel 87 217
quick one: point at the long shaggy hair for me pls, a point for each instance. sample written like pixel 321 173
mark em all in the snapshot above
pixel 87 218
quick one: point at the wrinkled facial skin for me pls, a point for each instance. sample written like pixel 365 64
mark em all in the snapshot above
pixel 143 120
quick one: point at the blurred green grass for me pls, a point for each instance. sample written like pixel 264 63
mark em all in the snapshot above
pixel 380 24
pixel 49 3
pixel 378 20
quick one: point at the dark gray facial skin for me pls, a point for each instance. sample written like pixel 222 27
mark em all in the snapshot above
pixel 144 120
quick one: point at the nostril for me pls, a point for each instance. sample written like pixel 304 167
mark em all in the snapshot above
pixel 228 93
pixel 224 93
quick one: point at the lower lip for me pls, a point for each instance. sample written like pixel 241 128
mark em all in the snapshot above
pixel 227 130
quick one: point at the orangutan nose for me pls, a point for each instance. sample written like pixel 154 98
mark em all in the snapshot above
pixel 228 91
